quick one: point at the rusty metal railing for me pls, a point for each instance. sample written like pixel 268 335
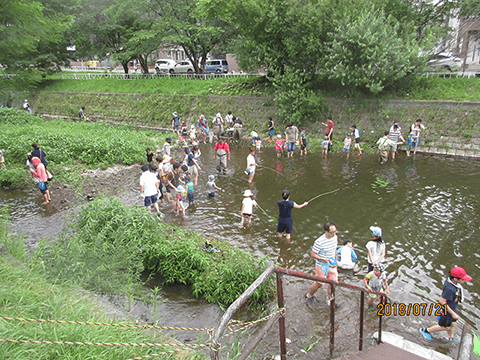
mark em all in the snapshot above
pixel 280 272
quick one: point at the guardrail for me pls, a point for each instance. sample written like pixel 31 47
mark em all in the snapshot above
pixel 242 299
pixel 138 76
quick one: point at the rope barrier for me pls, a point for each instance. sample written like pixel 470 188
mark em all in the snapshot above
pixel 105 324
pixel 192 346
pixel 235 326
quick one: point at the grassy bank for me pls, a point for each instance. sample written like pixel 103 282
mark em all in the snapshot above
pixel 424 88
pixel 70 146
pixel 27 293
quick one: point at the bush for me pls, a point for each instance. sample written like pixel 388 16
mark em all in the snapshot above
pixel 116 244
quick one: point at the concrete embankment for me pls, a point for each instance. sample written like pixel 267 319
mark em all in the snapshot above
pixel 453 128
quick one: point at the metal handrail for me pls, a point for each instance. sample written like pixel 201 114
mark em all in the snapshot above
pixel 280 272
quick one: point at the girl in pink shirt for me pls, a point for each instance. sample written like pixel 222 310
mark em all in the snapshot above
pixel 279 145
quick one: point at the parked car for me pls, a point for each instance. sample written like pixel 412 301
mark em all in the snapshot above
pixel 216 66
pixel 445 61
pixel 183 67
pixel 164 65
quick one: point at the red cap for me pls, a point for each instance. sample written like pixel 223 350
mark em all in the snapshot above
pixel 460 272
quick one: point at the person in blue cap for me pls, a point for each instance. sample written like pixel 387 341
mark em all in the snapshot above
pixel 376 248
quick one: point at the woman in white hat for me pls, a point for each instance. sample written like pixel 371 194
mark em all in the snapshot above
pixel 247 207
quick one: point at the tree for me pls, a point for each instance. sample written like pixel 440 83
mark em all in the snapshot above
pixel 367 50
pixel 195 26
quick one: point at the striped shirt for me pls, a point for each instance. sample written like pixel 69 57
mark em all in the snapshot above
pixel 394 135
pixel 326 248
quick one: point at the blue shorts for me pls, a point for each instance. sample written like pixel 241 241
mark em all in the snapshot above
pixel 445 321
pixel 271 132
pixel 291 146
pixel 346 150
pixel 190 197
pixel 176 127
pixel 285 224
pixel 167 189
pixel 149 200
pixel 212 194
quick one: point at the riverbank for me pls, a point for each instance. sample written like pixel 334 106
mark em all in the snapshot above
pixel 452 127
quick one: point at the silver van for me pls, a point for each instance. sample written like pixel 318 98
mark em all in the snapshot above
pixel 216 66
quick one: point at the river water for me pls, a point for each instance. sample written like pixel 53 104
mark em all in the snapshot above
pixel 427 207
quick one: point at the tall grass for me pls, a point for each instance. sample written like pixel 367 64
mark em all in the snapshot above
pixel 26 293
pixel 113 245
pixel 70 146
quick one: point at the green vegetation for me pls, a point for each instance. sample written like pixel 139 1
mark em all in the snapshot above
pixel 70 146
pixel 27 293
pixel 113 245
pixel 421 88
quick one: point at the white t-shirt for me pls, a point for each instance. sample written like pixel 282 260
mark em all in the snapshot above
pixel 346 256
pixel 376 248
pixel 248 203
pixel 149 182
pixel 250 161
pixel 229 119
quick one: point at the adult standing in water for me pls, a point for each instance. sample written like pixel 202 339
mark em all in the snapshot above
pixel 285 220
pixel 221 150
pixel 218 125
pixel 39 153
pixel 324 252
pixel 329 132
pixel 291 138
pixel 237 128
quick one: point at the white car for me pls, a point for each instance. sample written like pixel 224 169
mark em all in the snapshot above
pixel 445 61
pixel 164 65
pixel 183 67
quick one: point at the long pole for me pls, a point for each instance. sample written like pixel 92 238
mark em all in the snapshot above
pixel 316 197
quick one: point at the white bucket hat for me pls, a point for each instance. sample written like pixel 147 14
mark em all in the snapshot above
pixel 247 193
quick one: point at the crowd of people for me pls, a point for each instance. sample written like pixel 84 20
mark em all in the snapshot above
pixel 327 254
pixel 173 183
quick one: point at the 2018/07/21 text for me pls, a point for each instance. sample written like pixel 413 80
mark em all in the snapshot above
pixel 415 309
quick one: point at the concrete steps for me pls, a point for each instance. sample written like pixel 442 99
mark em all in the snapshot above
pixel 450 146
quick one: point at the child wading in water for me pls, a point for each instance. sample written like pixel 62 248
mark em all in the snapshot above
pixel 325 143
pixel 279 145
pixel 247 207
pixel 452 294
pixel 303 141
pixel 376 248
pixel 376 280
pixel 211 186
pixel 285 221
pixel 346 145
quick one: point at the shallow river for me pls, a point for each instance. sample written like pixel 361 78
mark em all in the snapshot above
pixel 426 206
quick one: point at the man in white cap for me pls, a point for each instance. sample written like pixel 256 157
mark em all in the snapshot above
pixel 447 309
pixel 218 125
